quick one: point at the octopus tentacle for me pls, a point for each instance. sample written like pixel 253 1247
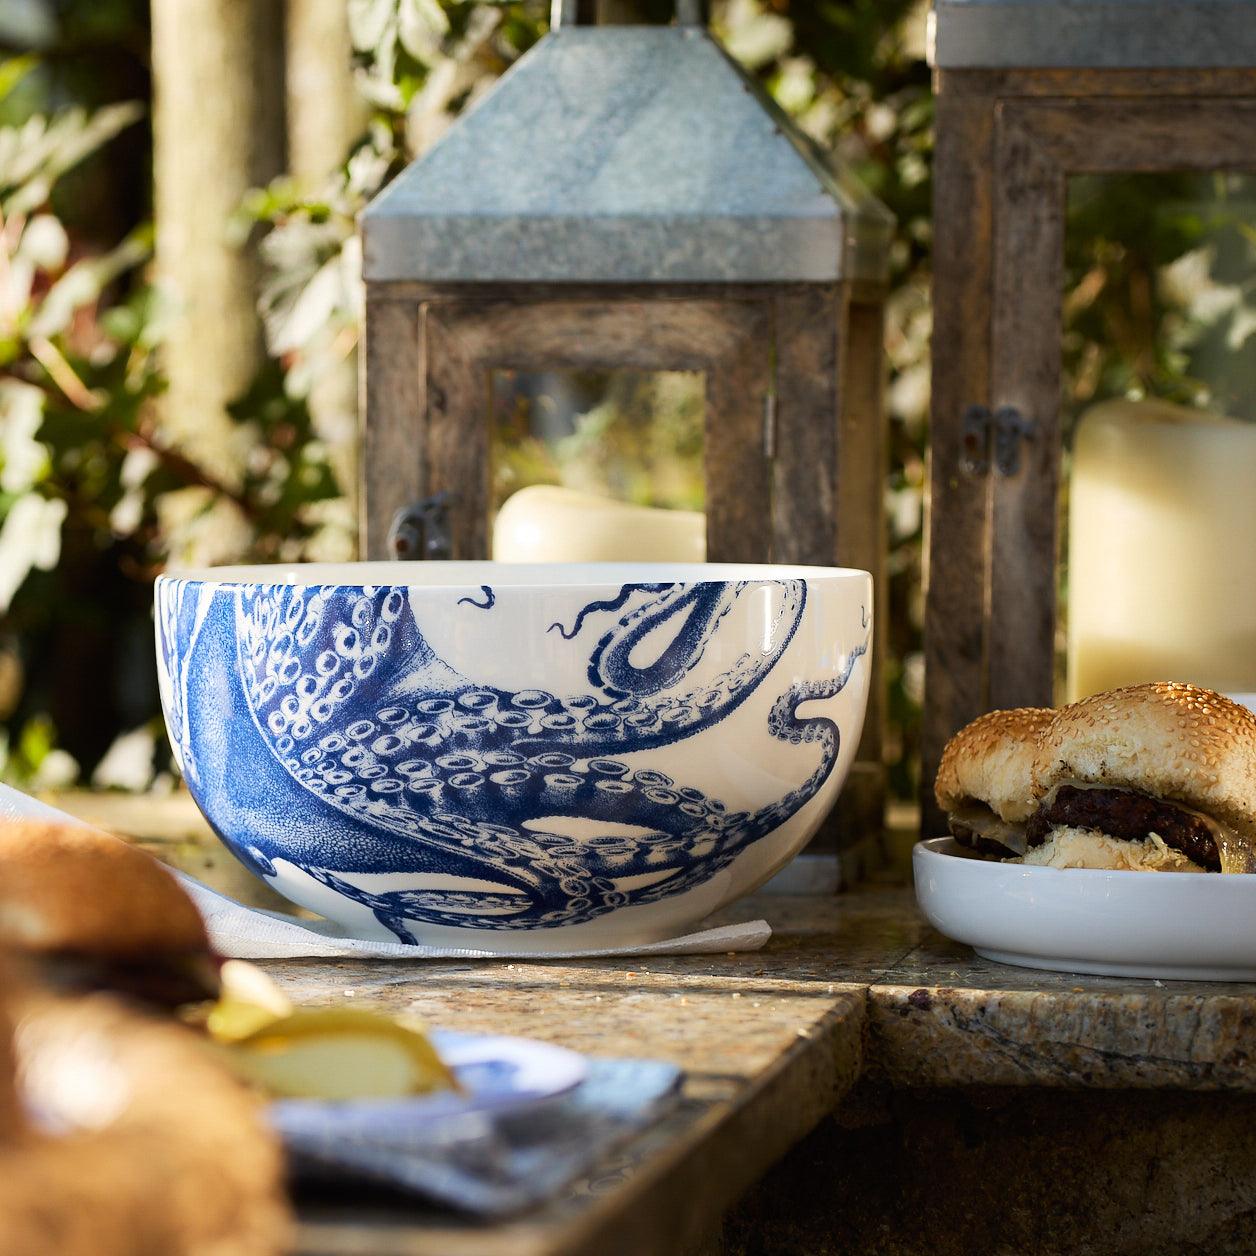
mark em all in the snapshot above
pixel 491 776
pixel 608 604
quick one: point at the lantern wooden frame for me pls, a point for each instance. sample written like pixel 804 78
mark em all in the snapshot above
pixel 776 407
pixel 1007 141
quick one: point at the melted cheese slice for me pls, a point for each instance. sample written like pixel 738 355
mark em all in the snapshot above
pixel 984 823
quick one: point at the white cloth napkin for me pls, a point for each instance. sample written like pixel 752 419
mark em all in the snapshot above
pixel 242 932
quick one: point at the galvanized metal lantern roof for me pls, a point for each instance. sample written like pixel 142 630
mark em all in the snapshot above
pixel 622 154
pixel 1093 34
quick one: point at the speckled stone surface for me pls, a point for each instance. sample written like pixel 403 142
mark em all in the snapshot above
pixel 1011 1172
pixel 772 1043
pixel 1088 1095
pixel 944 1017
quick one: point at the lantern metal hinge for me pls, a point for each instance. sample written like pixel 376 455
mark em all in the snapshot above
pixel 769 426
pixel 421 529
pixel 987 435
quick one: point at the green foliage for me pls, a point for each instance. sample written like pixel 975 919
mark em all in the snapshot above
pixel 92 495
pixel 1161 293
pixel 70 395
pixel 629 435
pixel 289 472
pixel 35 155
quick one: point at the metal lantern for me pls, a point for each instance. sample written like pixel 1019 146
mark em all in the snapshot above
pixel 1030 92
pixel 626 198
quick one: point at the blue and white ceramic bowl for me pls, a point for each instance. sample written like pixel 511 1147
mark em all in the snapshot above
pixel 515 757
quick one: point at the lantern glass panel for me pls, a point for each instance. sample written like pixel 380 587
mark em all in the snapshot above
pixel 1158 578
pixel 632 436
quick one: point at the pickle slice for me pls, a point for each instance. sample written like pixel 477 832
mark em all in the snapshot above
pixel 339 1054
pixel 249 1001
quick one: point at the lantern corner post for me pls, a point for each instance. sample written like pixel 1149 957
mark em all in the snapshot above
pixel 829 458
pixel 862 542
pixel 393 406
pixel 957 504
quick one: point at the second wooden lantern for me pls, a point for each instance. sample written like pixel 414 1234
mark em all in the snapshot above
pixel 1030 95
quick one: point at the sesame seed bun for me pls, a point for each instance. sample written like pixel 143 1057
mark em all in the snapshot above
pixel 67 888
pixel 990 761
pixel 1170 740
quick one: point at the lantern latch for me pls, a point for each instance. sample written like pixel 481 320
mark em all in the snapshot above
pixel 1003 428
pixel 421 530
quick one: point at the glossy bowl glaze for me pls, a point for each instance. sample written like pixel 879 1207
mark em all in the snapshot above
pixel 515 757
pixel 1173 926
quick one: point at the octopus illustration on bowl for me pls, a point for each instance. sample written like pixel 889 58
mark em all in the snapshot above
pixel 523 758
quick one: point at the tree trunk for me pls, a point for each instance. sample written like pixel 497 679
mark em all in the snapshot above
pixel 326 114
pixel 218 122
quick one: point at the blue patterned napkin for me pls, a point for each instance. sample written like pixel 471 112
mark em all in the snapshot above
pixel 480 1161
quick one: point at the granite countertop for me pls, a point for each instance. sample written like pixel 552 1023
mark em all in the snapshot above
pixel 851 985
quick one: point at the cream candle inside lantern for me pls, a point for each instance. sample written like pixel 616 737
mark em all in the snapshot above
pixel 548 524
pixel 1162 549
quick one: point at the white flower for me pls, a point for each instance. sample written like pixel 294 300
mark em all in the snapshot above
pixel 914 678
pixel 128 512
pixel 1243 326
pixel 1186 277
pixel 1188 282
pixel 30 538
pixel 909 393
pixel 754 36
pixel 905 508
pixel 200 529
pixel 314 308
pixel 22 457
pixel 137 465
pixel 57 770
pixel 43 246
pixel 45 243
pixel 128 763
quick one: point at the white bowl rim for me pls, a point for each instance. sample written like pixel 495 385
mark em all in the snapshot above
pixel 440 574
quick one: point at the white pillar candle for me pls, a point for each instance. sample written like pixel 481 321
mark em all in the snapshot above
pixel 1162 549
pixel 548 524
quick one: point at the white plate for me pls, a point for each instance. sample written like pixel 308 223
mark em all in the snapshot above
pixel 498 1075
pixel 1171 925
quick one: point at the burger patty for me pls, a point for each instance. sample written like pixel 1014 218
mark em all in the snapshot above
pixel 1126 814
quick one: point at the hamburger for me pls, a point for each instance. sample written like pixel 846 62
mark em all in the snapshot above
pixel 1153 777
pixel 88 911
pixel 120 1133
